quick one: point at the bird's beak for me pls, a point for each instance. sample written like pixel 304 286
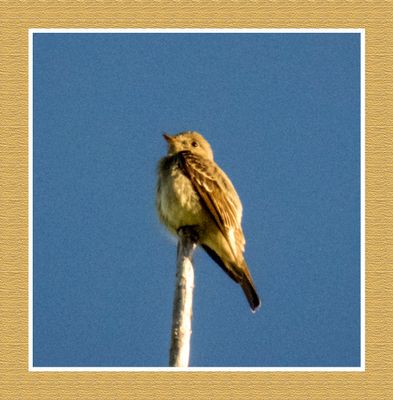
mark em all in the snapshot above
pixel 168 138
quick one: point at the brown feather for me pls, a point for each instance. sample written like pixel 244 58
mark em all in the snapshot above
pixel 218 194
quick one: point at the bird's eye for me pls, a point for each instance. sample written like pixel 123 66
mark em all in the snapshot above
pixel 194 144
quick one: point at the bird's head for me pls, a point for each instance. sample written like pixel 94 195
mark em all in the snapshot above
pixel 189 141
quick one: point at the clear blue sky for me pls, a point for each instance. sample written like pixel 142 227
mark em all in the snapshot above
pixel 282 113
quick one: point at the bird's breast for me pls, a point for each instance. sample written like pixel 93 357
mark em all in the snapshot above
pixel 177 201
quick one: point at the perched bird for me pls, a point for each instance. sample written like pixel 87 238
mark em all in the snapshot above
pixel 193 191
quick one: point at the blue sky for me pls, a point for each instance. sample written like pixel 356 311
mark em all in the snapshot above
pixel 282 114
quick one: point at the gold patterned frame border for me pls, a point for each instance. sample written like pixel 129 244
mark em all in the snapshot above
pixel 16 17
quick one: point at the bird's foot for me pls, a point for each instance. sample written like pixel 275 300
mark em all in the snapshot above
pixel 189 231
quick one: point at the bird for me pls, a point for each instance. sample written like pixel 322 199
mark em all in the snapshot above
pixel 193 191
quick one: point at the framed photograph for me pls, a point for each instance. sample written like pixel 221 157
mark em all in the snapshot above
pixel 282 108
pixel 283 111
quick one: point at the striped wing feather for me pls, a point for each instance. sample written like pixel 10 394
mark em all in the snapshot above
pixel 218 194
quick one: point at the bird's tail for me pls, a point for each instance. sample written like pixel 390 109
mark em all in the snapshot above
pixel 240 274
pixel 249 289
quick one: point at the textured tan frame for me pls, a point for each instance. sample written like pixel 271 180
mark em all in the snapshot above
pixel 16 17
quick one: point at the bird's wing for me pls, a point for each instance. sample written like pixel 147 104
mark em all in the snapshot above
pixel 218 194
